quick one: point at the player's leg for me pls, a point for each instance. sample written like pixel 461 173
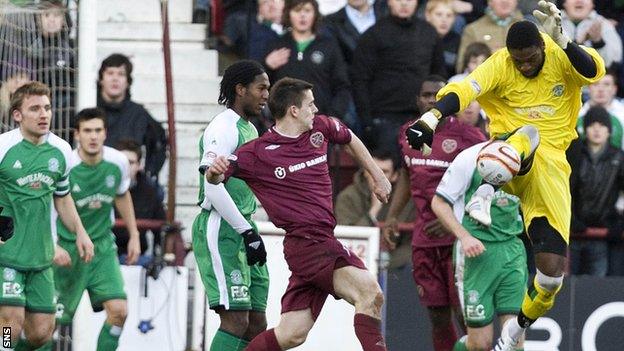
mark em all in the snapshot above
pixel 524 141
pixel 433 275
pixel 116 313
pixel 259 293
pixel 360 288
pixel 225 274
pixel 12 317
pixel 291 331
pixel 477 339
pixel 40 309
pixel 38 329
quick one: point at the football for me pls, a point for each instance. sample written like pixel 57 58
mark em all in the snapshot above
pixel 498 162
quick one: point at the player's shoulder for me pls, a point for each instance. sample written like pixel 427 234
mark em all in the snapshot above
pixel 115 157
pixel 59 143
pixel 225 120
pixel 10 138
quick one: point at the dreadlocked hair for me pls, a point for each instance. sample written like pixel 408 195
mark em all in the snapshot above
pixel 242 72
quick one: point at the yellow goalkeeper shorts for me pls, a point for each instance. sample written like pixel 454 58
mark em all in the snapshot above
pixel 545 190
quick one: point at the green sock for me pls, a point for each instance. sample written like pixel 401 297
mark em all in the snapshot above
pixel 47 347
pixel 224 341
pixel 24 345
pixel 109 338
pixel 460 344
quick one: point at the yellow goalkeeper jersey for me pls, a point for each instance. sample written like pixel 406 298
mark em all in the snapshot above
pixel 550 101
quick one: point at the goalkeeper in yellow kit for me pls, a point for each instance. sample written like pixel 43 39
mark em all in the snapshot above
pixel 531 91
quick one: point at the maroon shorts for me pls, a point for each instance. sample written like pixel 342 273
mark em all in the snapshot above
pixel 434 276
pixel 312 263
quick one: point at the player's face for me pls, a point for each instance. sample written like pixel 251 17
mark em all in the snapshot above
pixel 503 8
pixel 578 10
pixel 302 18
pixel 402 8
pixel 441 18
pixel 597 133
pixel 34 116
pixel 427 95
pixel 256 95
pixel 305 113
pixel 528 61
pixel 91 135
pixel 135 163
pixel 114 83
pixel 603 91
pixel 470 115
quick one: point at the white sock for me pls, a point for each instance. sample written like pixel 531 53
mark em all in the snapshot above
pixel 115 330
pixel 515 330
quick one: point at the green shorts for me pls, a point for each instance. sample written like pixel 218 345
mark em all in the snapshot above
pixel 101 278
pixel 493 282
pixel 33 290
pixel 220 253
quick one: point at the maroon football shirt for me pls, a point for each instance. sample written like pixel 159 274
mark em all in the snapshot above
pixel 425 172
pixel 290 176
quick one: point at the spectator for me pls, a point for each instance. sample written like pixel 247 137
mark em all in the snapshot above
pixel 585 26
pixel 602 93
pixel 348 24
pixel 440 14
pixel 476 53
pixel 491 28
pixel 146 199
pixel 597 178
pixel 127 119
pixel 474 116
pixel 306 53
pixel 251 38
pixel 390 62
pixel 55 50
pixel 14 81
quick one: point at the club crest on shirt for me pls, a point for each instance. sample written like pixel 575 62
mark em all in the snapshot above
pixel 449 145
pixel 110 181
pixel 473 296
pixel 557 90
pixel 9 274
pixel 53 165
pixel 236 277
pixel 317 57
pixel 317 139
pixel 280 172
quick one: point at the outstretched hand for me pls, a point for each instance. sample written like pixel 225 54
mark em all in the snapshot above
pixel 549 16
pixel 420 133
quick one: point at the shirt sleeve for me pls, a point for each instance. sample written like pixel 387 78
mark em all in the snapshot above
pixel 333 129
pixel 62 184
pixel 457 178
pixel 481 81
pixel 124 183
pixel 242 162
pixel 218 140
pixel 578 78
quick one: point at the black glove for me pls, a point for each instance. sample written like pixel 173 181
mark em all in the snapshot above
pixel 420 133
pixel 254 247
pixel 6 228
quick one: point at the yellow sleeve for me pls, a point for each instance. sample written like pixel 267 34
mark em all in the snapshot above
pixel 579 78
pixel 485 78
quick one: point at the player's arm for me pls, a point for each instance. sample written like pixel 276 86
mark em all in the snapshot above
pixel 381 185
pixel 69 216
pixel 400 197
pixel 124 205
pixel 470 245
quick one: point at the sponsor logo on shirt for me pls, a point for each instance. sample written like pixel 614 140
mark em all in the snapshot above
pixel 53 165
pixel 535 112
pixel 271 147
pixel 280 172
pixel 316 139
pixel 34 180
pixel 558 90
pixel 449 145
pixel 426 162
pixel 94 201
pixel 309 163
pixel 17 164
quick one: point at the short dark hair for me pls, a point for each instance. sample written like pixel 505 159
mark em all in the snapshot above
pixel 475 49
pixel 384 154
pixel 130 145
pixel 242 72
pixel 597 114
pixel 434 78
pixel 523 34
pixel 88 114
pixel 26 90
pixel 116 60
pixel 285 93
pixel 290 5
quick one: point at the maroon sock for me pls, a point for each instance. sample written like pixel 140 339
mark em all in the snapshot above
pixel 444 337
pixel 368 331
pixel 266 341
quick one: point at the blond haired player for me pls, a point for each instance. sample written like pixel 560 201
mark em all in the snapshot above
pixel 531 91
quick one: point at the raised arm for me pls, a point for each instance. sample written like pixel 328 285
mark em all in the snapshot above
pixel 471 246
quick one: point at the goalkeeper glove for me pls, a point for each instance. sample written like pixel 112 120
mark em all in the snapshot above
pixel 420 133
pixel 254 247
pixel 549 17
